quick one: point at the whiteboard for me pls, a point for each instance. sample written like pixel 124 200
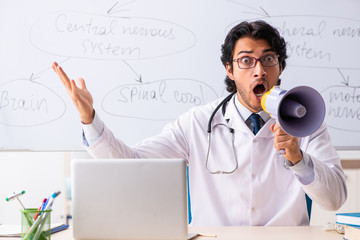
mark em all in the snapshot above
pixel 147 61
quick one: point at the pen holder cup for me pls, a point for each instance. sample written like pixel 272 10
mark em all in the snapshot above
pixel 38 229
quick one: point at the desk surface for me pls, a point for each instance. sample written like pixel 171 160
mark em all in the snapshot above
pixel 246 233
pixel 271 232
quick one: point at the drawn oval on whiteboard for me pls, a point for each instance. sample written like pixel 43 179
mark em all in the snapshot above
pixel 159 100
pixel 312 41
pixel 35 105
pixel 87 35
pixel 343 107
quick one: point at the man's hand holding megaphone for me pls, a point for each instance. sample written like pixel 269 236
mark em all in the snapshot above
pixel 287 144
pixel 298 112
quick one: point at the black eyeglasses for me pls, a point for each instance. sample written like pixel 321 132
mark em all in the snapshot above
pixel 268 60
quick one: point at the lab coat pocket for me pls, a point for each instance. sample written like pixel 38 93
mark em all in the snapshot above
pixel 284 177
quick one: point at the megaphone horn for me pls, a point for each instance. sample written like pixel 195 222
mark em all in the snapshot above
pixel 299 111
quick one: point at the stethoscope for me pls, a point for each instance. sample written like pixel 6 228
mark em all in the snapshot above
pixel 221 105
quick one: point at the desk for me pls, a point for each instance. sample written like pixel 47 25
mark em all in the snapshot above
pixel 244 233
pixel 267 233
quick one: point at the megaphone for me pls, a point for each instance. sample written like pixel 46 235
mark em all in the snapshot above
pixel 299 111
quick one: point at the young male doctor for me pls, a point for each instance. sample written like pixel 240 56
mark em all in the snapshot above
pixel 239 176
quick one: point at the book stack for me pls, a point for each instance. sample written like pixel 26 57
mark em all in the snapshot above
pixel 352 233
pixel 352 224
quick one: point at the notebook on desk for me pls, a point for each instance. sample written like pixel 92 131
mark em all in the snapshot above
pixel 129 199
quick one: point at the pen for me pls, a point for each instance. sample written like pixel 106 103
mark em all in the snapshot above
pixel 40 208
pixel 50 200
pixel 45 203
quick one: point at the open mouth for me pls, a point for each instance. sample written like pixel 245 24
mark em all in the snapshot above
pixel 259 90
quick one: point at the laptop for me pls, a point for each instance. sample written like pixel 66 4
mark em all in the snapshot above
pixel 129 199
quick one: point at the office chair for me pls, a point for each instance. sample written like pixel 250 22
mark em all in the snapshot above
pixel 308 205
pixel 188 195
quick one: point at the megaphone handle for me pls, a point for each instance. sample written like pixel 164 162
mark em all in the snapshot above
pixel 282 151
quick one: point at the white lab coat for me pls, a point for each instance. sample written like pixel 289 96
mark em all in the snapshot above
pixel 261 191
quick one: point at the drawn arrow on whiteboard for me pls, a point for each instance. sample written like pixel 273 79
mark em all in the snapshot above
pixel 116 8
pixel 256 11
pixel 33 77
pixel 138 76
pixel 345 79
